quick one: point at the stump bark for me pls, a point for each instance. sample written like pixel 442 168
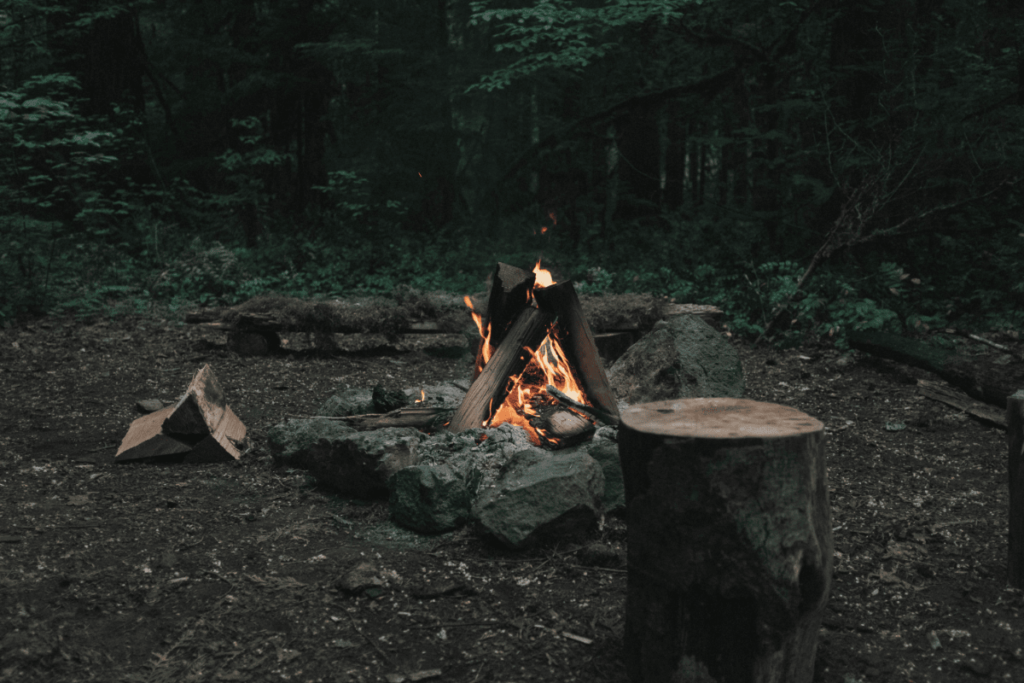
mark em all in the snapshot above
pixel 1015 441
pixel 730 541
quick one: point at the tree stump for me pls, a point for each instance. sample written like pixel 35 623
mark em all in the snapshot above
pixel 1015 462
pixel 730 541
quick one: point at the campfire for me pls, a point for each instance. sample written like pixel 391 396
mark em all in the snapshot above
pixel 536 365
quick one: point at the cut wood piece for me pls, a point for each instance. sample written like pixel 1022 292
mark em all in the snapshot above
pixel 509 296
pixel 730 541
pixel 985 381
pixel 562 427
pixel 577 342
pixel 201 408
pixel 1015 442
pixel 951 397
pixel 201 427
pixel 145 439
pixel 508 361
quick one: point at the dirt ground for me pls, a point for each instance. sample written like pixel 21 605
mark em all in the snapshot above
pixel 229 572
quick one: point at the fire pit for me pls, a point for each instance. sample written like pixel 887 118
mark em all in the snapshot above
pixel 537 365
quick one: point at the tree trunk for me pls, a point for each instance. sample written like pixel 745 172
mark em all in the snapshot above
pixel 980 378
pixel 730 541
pixel 1015 441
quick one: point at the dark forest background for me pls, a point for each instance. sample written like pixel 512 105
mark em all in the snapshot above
pixel 856 161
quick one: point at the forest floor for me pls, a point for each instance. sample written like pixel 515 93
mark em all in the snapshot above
pixel 228 572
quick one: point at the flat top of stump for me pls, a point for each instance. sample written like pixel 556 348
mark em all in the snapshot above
pixel 718 418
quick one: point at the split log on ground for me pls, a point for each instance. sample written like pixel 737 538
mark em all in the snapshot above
pixel 938 391
pixel 1015 441
pixel 984 380
pixel 508 361
pixel 578 343
pixel 730 541
pixel 201 427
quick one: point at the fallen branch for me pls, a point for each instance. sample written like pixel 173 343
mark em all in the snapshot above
pixel 428 419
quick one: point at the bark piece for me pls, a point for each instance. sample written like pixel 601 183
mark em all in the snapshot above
pixel 1015 462
pixel 730 541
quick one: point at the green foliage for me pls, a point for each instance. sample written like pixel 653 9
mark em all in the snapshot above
pixel 561 35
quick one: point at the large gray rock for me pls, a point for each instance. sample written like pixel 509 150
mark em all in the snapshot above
pixel 290 440
pixel 360 464
pixel 539 495
pixel 432 499
pixel 681 357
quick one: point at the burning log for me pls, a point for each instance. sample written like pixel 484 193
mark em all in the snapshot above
pixel 560 427
pixel 578 344
pixel 491 386
pixel 730 540
pixel 510 294
pixel 560 353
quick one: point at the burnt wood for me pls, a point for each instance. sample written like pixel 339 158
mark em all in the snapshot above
pixel 509 360
pixel 510 294
pixel 729 541
pixel 1015 462
pixel 578 344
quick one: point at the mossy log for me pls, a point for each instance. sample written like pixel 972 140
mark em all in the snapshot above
pixel 980 378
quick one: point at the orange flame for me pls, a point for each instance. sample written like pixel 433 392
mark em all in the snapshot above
pixel 485 335
pixel 544 278
pixel 526 395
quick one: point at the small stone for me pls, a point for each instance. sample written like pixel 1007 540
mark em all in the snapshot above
pixel 386 399
pixel 360 577
pixel 600 555
pixel 149 405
